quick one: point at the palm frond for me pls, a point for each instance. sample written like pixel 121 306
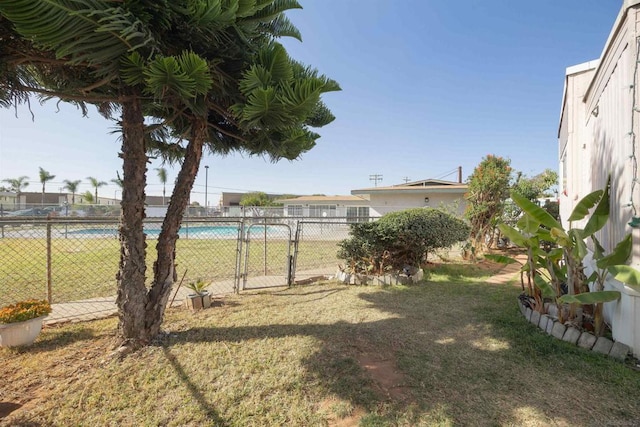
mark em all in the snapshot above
pixel 90 32
pixel 281 26
pixel 272 10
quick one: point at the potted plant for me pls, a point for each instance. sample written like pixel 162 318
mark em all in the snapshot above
pixel 201 298
pixel 21 322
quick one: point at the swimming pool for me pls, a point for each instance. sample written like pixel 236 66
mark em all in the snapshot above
pixel 186 231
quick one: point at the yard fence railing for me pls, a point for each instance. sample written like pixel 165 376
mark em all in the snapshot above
pixel 72 262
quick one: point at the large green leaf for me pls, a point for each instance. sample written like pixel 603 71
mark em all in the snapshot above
pixel 627 275
pixel 590 297
pixel 620 254
pixel 600 215
pixel 537 213
pixel 545 235
pixel 527 224
pixel 581 210
pixel 598 250
pixel 561 237
pixel 579 249
pixel 514 235
pixel 545 287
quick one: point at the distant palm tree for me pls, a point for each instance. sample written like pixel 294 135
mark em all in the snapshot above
pixel 88 197
pixel 119 182
pixel 73 187
pixel 16 185
pixel 95 184
pixel 44 177
pixel 162 175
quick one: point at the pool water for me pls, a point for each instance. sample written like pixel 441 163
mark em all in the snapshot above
pixel 200 231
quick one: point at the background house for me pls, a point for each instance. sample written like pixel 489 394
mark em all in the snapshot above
pixel 377 201
pixel 599 134
pixel 425 193
pixel 8 201
pixel 354 208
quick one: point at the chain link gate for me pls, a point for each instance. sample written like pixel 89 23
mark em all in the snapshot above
pixel 268 261
pixel 316 248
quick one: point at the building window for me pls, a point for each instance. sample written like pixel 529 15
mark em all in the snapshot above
pixel 294 210
pixel 322 211
pixel 357 214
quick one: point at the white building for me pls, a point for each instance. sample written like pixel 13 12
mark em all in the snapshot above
pixel 599 135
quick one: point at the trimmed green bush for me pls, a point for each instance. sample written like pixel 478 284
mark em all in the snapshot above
pixel 400 239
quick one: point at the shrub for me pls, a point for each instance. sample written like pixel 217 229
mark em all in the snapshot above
pixel 400 239
pixel 24 310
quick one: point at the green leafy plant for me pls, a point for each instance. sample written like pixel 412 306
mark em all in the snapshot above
pixel 400 239
pixel 24 310
pixel 548 270
pixel 199 286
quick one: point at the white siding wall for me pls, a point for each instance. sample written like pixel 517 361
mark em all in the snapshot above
pixel 573 139
pixel 598 143
pixel 385 203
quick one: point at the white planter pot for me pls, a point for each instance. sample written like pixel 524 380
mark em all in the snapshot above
pixel 20 333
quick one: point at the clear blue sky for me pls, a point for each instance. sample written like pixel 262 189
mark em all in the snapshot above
pixel 428 85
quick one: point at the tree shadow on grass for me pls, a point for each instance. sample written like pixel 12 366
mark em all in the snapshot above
pixel 463 360
pixel 209 411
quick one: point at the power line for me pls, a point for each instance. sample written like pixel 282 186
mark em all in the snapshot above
pixel 375 178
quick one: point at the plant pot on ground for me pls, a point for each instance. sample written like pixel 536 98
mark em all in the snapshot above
pixel 201 298
pixel 21 323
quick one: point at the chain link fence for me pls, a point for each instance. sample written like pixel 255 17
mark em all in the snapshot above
pixel 72 262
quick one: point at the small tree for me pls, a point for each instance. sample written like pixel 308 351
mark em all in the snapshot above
pixel 45 176
pixel 162 176
pixel 488 189
pixel 95 183
pixel 400 239
pixel 73 187
pixel 257 198
pixel 16 185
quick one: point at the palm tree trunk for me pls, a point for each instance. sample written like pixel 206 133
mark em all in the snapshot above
pixel 132 292
pixel 164 273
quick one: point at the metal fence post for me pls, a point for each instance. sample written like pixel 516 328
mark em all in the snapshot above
pixel 238 275
pixel 49 290
pixel 265 246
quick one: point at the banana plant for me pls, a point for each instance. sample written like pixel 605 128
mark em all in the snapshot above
pixel 548 270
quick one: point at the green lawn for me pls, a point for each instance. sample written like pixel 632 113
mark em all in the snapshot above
pixel 83 268
pixel 451 351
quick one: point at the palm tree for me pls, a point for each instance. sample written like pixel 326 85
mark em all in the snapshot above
pixel 95 183
pixel 238 90
pixel 162 175
pixel 44 177
pixel 16 185
pixel 73 187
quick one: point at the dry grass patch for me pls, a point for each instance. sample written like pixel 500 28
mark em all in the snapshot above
pixel 453 351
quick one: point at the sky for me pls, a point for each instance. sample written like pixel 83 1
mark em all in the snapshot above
pixel 427 86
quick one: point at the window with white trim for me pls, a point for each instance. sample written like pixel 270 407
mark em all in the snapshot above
pixel 357 214
pixel 294 210
pixel 322 211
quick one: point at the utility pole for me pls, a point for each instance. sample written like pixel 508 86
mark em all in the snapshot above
pixel 406 179
pixel 375 178
pixel 206 189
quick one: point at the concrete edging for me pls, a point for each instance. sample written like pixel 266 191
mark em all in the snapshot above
pixel 583 339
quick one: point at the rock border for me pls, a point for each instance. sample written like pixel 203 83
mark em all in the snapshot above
pixel 384 280
pixel 575 336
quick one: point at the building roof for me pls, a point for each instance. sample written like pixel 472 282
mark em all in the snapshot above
pixel 324 199
pixel 428 185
